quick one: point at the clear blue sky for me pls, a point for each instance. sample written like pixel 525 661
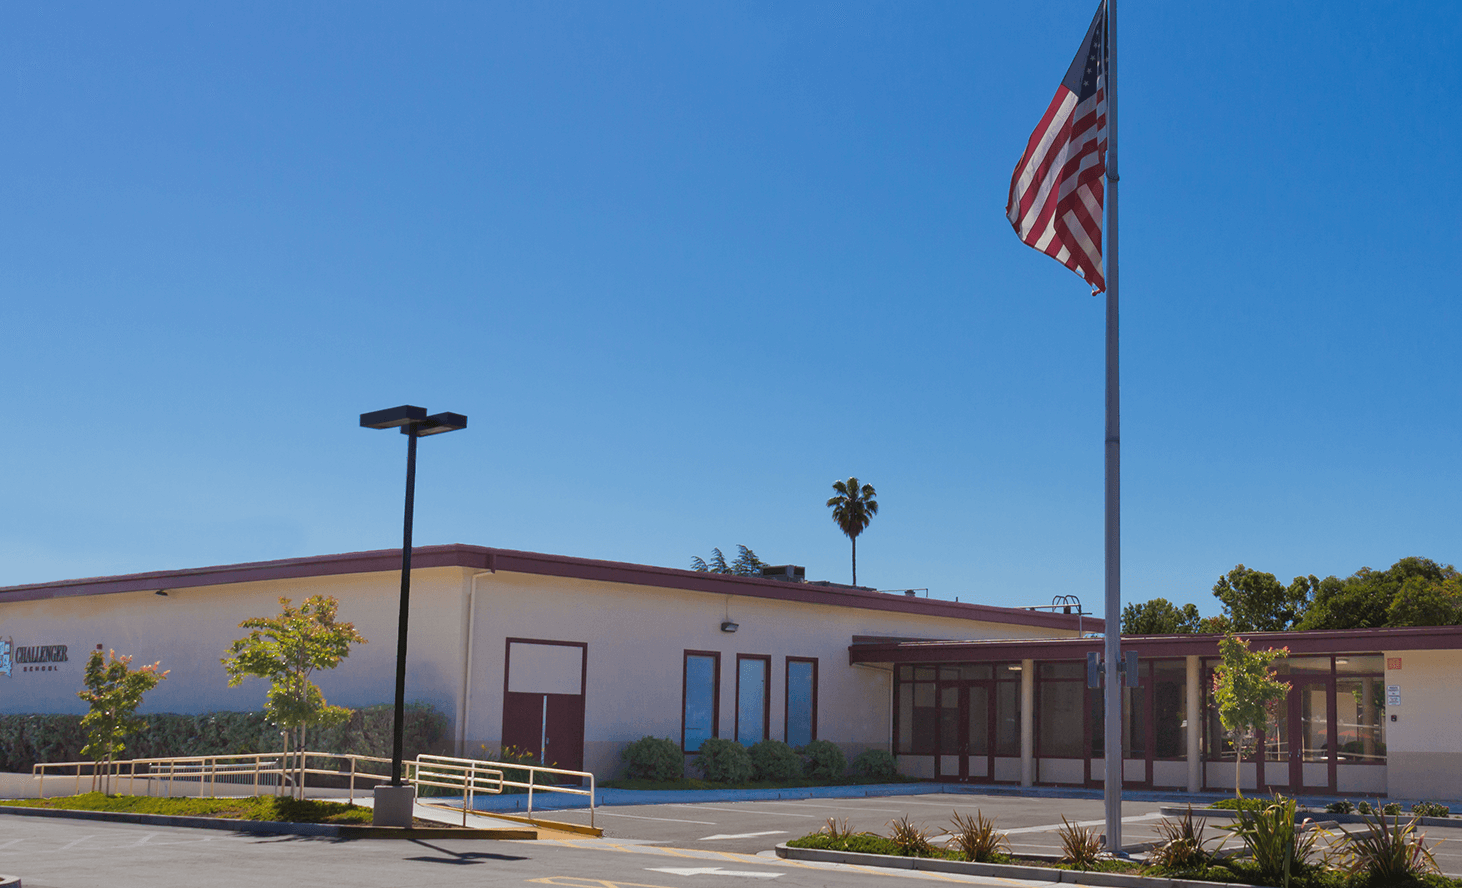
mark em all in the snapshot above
pixel 685 264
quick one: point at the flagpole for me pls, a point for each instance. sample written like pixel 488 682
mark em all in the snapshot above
pixel 1113 541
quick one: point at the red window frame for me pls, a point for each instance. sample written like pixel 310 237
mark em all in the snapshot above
pixel 766 697
pixel 787 697
pixel 715 657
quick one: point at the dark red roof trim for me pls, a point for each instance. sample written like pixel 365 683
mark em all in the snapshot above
pixel 1337 641
pixel 482 558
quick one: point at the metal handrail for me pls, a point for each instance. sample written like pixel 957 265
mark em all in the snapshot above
pixel 206 769
pixel 470 776
pixel 532 784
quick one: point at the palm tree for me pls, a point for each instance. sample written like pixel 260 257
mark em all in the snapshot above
pixel 853 508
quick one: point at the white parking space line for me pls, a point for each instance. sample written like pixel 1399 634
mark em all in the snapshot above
pixel 770 832
pixel 1051 827
pixel 9 843
pixel 71 844
pixel 661 819
pixel 710 871
pixel 749 810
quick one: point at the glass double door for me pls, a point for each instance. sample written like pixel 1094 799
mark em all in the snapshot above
pixel 1298 750
pixel 966 732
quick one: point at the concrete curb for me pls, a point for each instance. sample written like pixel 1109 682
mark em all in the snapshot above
pixel 1227 814
pixel 9 881
pixel 270 827
pixel 996 870
pixel 611 797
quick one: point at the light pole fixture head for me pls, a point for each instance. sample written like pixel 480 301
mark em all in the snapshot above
pixel 438 423
pixel 404 415
pixel 413 421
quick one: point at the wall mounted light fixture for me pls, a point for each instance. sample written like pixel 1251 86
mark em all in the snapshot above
pixel 728 626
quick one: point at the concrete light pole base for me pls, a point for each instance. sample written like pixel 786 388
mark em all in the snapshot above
pixel 393 805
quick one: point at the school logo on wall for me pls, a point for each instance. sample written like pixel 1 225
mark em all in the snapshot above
pixel 6 645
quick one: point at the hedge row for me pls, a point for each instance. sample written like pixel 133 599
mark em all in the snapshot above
pixel 27 739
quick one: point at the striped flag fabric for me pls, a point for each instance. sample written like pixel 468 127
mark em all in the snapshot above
pixel 1057 189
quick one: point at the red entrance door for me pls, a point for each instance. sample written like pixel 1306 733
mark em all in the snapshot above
pixel 543 700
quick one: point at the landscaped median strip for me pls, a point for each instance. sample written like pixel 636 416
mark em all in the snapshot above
pixel 1326 816
pixel 277 827
pixel 997 870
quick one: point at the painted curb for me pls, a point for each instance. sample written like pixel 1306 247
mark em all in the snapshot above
pixel 1227 814
pixel 270 827
pixel 997 870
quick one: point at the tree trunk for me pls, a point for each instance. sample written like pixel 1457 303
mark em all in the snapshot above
pixel 855 561
pixel 1238 758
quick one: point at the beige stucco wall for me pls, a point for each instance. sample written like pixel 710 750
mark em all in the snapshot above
pixel 637 636
pixel 1424 743
pixel 190 629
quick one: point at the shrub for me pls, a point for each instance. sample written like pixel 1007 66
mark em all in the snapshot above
pixel 1279 848
pixel 723 761
pixel 1183 844
pixel 653 758
pixel 1364 807
pixel 976 838
pixel 1385 853
pixel 26 739
pixel 825 760
pixel 835 829
pixel 912 840
pixel 1080 845
pixel 1340 807
pixel 774 760
pixel 1392 808
pixel 874 764
pixel 1430 809
pixel 512 755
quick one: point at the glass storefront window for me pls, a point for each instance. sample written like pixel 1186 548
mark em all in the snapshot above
pixel 1360 720
pixel 1007 717
pixel 1169 709
pixel 1059 717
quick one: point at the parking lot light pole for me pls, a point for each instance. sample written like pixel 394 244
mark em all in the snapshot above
pixel 394 801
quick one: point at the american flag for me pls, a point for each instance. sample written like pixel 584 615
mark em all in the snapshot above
pixel 1056 192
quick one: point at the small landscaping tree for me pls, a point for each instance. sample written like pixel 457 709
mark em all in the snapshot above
pixel 1246 693
pixel 286 650
pixel 114 691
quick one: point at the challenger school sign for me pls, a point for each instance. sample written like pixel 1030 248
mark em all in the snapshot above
pixel 36 658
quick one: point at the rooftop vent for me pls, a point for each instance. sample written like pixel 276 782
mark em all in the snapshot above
pixel 787 573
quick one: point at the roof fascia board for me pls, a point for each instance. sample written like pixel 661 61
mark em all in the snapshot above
pixel 482 558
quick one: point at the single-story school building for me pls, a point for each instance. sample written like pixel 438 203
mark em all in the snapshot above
pixel 575 658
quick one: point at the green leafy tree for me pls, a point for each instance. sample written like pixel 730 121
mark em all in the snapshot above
pixel 1219 625
pixel 1160 617
pixel 113 691
pixel 745 565
pixel 853 509
pixel 287 649
pixel 1246 693
pixel 1412 592
pixel 1257 602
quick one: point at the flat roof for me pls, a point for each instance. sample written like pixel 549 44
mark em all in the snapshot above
pixel 488 559
pixel 1314 641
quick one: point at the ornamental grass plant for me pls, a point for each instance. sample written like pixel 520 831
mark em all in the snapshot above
pixel 976 838
pixel 1387 853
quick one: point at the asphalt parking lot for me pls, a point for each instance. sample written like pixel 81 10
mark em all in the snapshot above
pixel 1031 822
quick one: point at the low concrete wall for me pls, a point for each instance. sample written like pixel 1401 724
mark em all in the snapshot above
pixel 17 786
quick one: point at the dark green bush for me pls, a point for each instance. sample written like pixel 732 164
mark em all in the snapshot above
pixel 1340 807
pixel 1430 809
pixel 825 760
pixel 1391 808
pixel 774 760
pixel 27 739
pixel 653 758
pixel 723 761
pixel 876 764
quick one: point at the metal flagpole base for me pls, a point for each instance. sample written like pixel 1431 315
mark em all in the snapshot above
pixel 393 805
